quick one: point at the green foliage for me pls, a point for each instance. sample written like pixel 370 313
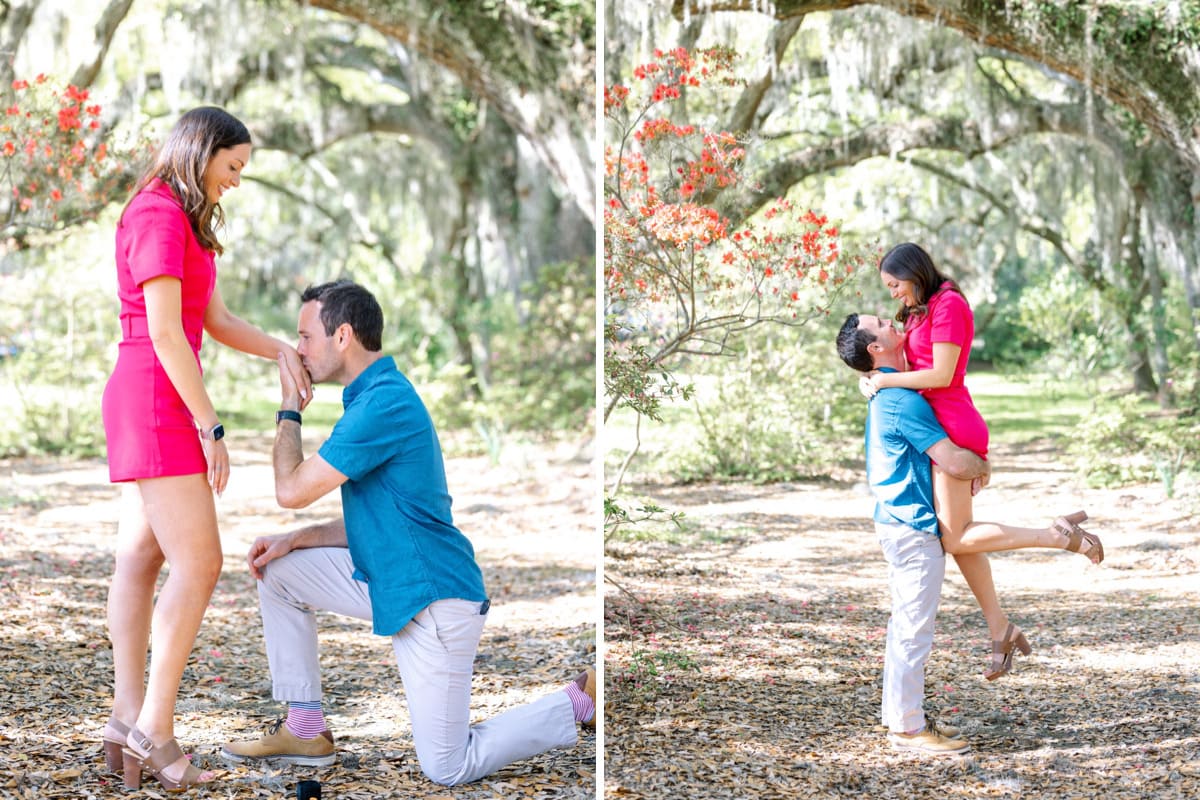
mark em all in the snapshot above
pixel 633 378
pixel 544 352
pixel 651 670
pixel 1058 309
pixel 1125 441
pixel 1020 407
pixel 786 409
pixel 61 330
pixel 1005 340
pixel 617 516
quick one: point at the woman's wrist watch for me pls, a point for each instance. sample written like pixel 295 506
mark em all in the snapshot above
pixel 213 434
pixel 285 413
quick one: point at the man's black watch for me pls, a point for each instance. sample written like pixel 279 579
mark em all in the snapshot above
pixel 214 434
pixel 284 413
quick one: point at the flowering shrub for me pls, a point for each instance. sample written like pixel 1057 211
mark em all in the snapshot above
pixel 677 279
pixel 54 165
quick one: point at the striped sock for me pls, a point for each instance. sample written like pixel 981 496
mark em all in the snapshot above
pixel 581 704
pixel 305 719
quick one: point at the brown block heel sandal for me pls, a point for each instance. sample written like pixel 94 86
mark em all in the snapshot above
pixel 115 734
pixel 1077 537
pixel 154 761
pixel 1002 652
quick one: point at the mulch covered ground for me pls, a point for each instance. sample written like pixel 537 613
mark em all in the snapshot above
pixel 744 660
pixel 530 519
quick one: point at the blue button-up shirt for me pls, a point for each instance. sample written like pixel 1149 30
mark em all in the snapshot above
pixel 401 534
pixel 900 428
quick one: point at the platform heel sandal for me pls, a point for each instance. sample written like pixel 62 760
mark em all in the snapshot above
pixel 1002 652
pixel 115 735
pixel 154 761
pixel 1077 537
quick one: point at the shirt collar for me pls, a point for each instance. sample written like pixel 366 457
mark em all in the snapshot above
pixel 366 378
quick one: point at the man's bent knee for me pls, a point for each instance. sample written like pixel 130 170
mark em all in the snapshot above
pixel 443 777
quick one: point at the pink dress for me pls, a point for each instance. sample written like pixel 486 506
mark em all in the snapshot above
pixel 150 432
pixel 949 319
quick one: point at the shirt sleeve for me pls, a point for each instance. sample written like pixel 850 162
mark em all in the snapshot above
pixel 917 422
pixel 157 239
pixel 360 441
pixel 950 319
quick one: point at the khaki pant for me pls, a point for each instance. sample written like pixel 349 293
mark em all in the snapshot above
pixel 916 567
pixel 435 653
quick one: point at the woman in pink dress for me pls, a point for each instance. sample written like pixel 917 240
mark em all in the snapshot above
pixel 939 328
pixel 164 439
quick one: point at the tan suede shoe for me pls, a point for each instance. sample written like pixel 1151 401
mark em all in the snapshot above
pixel 279 745
pixel 929 742
pixel 589 688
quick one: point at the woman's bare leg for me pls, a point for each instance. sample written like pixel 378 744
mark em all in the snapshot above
pixel 977 571
pixel 962 534
pixel 182 516
pixel 952 499
pixel 130 603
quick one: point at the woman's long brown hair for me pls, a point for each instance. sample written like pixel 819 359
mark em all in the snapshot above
pixel 182 159
pixel 908 262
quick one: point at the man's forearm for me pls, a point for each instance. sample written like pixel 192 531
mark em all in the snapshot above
pixel 287 455
pixel 958 462
pixel 322 534
pixel 965 466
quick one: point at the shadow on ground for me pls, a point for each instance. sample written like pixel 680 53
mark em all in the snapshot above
pixel 749 666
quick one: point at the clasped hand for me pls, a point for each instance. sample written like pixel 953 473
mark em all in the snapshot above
pixel 868 384
pixel 294 381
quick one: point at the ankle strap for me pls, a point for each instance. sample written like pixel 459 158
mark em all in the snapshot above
pixel 157 756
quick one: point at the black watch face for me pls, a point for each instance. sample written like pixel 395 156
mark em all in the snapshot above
pixel 218 432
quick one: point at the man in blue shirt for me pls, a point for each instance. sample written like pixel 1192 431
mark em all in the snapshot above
pixel 902 434
pixel 396 558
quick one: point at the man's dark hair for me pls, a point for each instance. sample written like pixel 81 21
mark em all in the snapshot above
pixel 345 301
pixel 852 345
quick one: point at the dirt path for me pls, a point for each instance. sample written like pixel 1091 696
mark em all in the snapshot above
pixel 531 521
pixel 749 664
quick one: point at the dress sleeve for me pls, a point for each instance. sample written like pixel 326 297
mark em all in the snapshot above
pixel 951 320
pixel 157 239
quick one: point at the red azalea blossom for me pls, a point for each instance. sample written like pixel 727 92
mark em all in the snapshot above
pixel 664 241
pixel 55 157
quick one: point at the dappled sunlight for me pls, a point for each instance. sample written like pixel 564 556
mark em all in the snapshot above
pixel 750 648
pixel 528 522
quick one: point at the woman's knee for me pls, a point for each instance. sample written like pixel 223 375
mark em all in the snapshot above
pixel 952 544
pixel 143 561
pixel 200 569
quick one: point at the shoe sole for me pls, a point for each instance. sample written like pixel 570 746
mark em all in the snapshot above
pixel 927 751
pixel 282 758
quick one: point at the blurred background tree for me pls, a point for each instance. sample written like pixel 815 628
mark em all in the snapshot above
pixel 440 154
pixel 1046 154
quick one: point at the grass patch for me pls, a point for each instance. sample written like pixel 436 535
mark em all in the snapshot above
pixel 1017 408
pixel 683 532
pixel 1020 409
